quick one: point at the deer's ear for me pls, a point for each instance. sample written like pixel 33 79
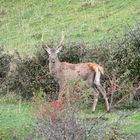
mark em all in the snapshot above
pixel 59 49
pixel 46 48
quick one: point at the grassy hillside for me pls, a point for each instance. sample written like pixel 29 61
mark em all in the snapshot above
pixel 23 22
pixel 15 119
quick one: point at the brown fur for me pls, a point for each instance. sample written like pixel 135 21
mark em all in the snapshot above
pixel 95 67
pixel 71 66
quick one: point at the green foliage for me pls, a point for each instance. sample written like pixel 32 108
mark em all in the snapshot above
pixel 80 96
pixel 4 63
pixel 72 53
pixel 29 76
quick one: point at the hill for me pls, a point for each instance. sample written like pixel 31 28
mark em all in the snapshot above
pixel 24 22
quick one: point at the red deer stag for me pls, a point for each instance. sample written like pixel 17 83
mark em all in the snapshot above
pixel 64 72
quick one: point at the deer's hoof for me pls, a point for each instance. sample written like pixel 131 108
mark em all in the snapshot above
pixel 93 111
pixel 109 110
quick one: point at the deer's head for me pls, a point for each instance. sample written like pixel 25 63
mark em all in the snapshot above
pixel 53 52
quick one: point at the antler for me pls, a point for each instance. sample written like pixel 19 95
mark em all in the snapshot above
pixel 62 39
pixel 44 45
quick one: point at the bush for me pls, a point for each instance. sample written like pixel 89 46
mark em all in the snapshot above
pixel 65 128
pixel 5 60
pixel 72 53
pixel 29 76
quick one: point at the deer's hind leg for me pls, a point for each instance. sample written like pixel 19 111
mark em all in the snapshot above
pixel 96 96
pixel 101 89
pixel 90 81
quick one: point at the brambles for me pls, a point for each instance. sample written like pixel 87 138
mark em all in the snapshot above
pixel 5 60
pixel 29 76
pixel 59 120
pixel 56 121
pixel 64 128
pixel 73 53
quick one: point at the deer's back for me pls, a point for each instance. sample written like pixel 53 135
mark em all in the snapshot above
pixel 68 71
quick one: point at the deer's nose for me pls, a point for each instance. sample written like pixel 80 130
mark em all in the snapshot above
pixel 53 61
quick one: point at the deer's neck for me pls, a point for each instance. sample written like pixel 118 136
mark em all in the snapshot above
pixel 53 67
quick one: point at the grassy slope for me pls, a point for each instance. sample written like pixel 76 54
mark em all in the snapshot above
pixel 15 120
pixel 22 22
pixel 129 124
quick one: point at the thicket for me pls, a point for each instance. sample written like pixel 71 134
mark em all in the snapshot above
pixel 120 58
pixel 5 60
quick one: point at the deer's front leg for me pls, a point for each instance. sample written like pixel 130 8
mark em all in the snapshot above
pixel 64 94
pixel 61 91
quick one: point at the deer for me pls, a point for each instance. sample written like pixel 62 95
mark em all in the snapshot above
pixel 64 72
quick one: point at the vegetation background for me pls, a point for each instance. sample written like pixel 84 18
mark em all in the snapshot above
pixel 104 31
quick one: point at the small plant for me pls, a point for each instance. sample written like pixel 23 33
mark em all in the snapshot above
pixel 88 3
pixel 5 60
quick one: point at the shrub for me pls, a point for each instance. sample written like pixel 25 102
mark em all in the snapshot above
pixel 64 128
pixel 5 60
pixel 56 120
pixel 29 76
pixel 64 122
pixel 72 53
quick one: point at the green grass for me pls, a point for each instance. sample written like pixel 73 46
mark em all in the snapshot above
pixel 23 22
pixel 15 120
pixel 133 124
pixel 130 123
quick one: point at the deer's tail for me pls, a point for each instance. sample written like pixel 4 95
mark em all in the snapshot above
pixel 95 67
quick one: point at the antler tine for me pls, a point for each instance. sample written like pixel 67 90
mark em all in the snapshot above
pixel 44 45
pixel 42 37
pixel 62 39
